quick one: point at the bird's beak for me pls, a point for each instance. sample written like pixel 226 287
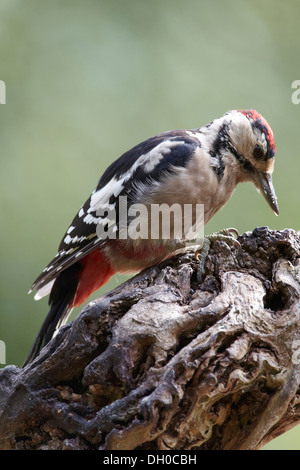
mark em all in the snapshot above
pixel 264 184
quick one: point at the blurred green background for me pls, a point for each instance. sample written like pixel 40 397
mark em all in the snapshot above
pixel 87 80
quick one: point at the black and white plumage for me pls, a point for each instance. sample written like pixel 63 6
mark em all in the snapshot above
pixel 144 165
pixel 201 165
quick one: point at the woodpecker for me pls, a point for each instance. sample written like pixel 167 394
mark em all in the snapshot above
pixel 202 165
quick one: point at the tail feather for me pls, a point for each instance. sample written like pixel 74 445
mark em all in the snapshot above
pixel 71 288
pixel 61 302
pixel 56 317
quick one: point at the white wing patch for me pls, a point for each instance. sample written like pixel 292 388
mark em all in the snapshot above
pixel 102 196
pixel 43 291
pixel 70 229
pixel 148 161
pixel 75 239
pixel 155 156
pixel 90 219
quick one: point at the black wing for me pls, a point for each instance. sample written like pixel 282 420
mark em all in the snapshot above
pixel 144 163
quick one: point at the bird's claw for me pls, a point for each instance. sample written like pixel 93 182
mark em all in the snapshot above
pixel 225 235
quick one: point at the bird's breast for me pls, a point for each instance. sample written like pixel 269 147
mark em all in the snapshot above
pixel 197 183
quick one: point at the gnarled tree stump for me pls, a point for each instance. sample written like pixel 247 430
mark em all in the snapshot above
pixel 162 362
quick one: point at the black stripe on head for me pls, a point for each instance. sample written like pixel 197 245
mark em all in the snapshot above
pixel 243 161
pixel 219 144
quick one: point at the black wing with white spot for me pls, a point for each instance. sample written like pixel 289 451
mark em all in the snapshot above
pixel 145 163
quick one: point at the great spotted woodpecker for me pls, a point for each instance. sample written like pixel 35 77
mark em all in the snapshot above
pixel 202 165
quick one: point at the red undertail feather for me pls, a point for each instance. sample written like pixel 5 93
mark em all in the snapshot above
pixel 96 271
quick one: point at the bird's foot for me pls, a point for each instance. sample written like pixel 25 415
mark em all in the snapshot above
pixel 228 236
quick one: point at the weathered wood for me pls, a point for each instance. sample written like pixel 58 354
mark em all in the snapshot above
pixel 162 362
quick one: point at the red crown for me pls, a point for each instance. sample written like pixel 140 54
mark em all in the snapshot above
pixel 258 118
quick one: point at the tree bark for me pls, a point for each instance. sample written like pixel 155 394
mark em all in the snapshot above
pixel 165 362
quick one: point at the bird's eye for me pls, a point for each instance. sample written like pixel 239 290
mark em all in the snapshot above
pixel 258 152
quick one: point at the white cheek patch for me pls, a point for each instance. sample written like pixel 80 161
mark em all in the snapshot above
pixel 261 138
